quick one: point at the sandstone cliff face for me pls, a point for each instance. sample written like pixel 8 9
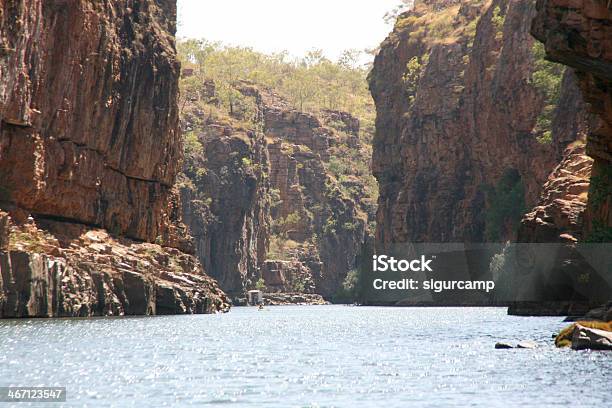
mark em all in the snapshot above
pixel 88 91
pixel 89 144
pixel 568 280
pixel 574 206
pixel 261 201
pixel 579 34
pixel 314 209
pixel 558 217
pixel 559 213
pixel 225 196
pixel 463 120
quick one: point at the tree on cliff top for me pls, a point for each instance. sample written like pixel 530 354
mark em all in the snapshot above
pixel 404 5
pixel 311 83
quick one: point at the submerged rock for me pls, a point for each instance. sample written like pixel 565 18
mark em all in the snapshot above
pixel 502 345
pixel 527 344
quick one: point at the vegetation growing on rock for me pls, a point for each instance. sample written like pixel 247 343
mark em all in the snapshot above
pixel 547 79
pixel 506 206
pixel 312 83
pixel 298 190
pixel 465 94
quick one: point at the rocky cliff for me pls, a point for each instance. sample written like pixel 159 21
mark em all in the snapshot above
pixel 558 217
pixel 316 211
pixel 225 196
pixel 51 269
pixel 89 143
pixel 260 198
pixel 98 115
pixel 471 121
pixel 574 206
pixel 579 34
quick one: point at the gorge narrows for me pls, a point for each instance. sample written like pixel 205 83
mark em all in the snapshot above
pixel 259 175
pixel 404 215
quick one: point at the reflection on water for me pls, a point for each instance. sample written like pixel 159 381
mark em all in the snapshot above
pixel 304 356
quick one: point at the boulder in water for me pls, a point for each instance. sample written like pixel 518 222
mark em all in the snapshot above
pixel 527 344
pixel 584 338
pixel 502 345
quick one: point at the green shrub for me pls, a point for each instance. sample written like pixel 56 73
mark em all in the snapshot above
pixel 330 226
pixel 275 198
pixel 246 162
pixel 298 286
pixel 260 284
pixel 351 288
pixel 411 78
pixel 498 20
pixel 192 145
pixel 350 226
pixel 600 188
pixel 546 77
pixel 505 205
pixel 545 137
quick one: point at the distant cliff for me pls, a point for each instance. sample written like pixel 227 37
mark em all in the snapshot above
pixel 225 193
pixel 89 144
pixel 471 121
pixel 260 198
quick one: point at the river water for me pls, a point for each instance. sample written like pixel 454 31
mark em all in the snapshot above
pixel 312 356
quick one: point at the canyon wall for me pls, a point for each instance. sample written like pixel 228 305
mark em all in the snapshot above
pixel 316 210
pixel 89 144
pixel 471 121
pixel 260 199
pixel 574 209
pixel 225 196
pixel 579 34
pixel 88 90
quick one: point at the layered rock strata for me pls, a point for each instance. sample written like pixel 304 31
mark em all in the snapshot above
pixel 558 217
pixel 465 121
pixel 314 209
pixel 226 204
pixel 55 269
pixel 89 151
pixel 574 207
pixel 262 202
pixel 97 115
pixel 579 34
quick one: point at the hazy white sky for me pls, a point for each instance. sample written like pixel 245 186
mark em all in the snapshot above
pixel 293 25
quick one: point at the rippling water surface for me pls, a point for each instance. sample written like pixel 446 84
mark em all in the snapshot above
pixel 321 356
